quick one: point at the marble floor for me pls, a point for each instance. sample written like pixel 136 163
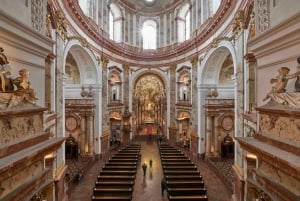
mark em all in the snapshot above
pixel 147 188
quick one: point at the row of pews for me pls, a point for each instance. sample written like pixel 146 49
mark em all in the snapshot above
pixel 116 179
pixel 184 181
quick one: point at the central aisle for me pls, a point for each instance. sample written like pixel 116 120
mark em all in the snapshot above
pixel 147 188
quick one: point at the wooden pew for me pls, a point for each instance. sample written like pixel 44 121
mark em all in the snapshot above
pixel 120 167
pixel 177 163
pixel 185 183
pixel 111 198
pixel 176 160
pixel 126 154
pixel 184 177
pixel 116 178
pixel 180 168
pixel 125 157
pixel 114 184
pixel 118 172
pixel 112 191
pixel 186 191
pixel 122 163
pixel 180 172
pixel 122 160
pixel 188 198
pixel 171 154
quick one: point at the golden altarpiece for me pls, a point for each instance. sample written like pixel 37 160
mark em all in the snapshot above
pixel 149 106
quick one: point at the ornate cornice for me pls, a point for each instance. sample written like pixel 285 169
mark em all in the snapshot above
pixel 161 54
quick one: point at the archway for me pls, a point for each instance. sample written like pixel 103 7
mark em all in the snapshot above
pixel 217 96
pixel 149 105
pixel 81 96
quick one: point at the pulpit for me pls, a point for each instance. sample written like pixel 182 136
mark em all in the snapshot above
pixel 71 148
pixel 228 147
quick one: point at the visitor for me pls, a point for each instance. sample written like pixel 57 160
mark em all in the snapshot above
pixel 144 166
pixel 163 186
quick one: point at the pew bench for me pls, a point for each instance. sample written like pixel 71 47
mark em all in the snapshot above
pixel 175 160
pixel 180 172
pixel 184 177
pixel 121 163
pixel 185 183
pixel 177 163
pixel 111 198
pixel 186 191
pixel 182 168
pixel 118 172
pixel 123 160
pixel 114 184
pixel 115 178
pixel 187 198
pixel 120 167
pixel 112 191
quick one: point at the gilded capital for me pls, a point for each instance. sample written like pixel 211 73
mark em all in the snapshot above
pixel 194 61
pixel 104 62
pixel 172 69
pixel 50 58
pixel 126 69
pixel 61 24
pixel 238 24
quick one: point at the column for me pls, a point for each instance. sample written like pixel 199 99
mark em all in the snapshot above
pixel 216 137
pixel 172 97
pixel 90 132
pixel 83 133
pixel 208 135
pixel 126 70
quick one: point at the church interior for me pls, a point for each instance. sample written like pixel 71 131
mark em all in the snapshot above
pixel 150 100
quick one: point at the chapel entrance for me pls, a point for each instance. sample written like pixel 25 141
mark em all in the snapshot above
pixel 149 105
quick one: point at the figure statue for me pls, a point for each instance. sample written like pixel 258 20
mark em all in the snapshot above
pixel 5 82
pixel 297 83
pixel 24 86
pixel 281 81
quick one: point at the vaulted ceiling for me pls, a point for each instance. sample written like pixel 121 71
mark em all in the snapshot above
pixel 149 7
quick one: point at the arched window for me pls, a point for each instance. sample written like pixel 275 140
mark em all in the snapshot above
pixel 184 23
pixel 215 4
pixel 149 34
pixel 115 23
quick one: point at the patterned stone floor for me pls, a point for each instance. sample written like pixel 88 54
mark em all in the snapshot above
pixel 147 188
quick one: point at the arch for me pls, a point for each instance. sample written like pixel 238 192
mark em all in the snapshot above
pixel 86 60
pixel 211 64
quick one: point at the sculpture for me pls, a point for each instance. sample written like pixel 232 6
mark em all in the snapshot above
pixel 10 97
pixel 281 81
pixel 297 83
pixel 5 82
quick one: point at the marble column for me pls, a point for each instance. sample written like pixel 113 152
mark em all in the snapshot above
pixel 208 135
pixel 105 113
pixel 194 98
pixel 83 133
pixel 215 136
pixel 126 70
pixel 172 95
pixel 90 132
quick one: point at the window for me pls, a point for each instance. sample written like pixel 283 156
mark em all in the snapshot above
pixel 111 25
pixel 214 6
pixel 149 34
pixel 187 25
pixel 184 23
pixel 83 5
pixel 115 23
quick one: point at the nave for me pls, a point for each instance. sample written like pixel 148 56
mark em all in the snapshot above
pixel 148 187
